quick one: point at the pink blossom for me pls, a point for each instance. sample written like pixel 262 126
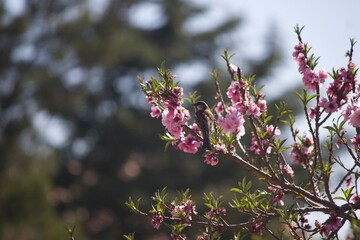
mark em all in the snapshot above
pixel 149 100
pixel 333 223
pixel 233 122
pixel 312 78
pixel 355 141
pixel 172 76
pixel 313 111
pixel 308 146
pixel 271 131
pixel 189 144
pixel 299 57
pixel 262 105
pixel 268 147
pixel 330 225
pixel 233 68
pixel 301 153
pixel 215 213
pixel 254 146
pixel 234 92
pixel 277 201
pixel 273 189
pixel 184 210
pixel 323 229
pixel 253 110
pixel 219 108
pixel 221 148
pixel 173 119
pixel 265 141
pixel 189 207
pixel 156 220
pixel 323 75
pixel 174 98
pixel 354 198
pixel 338 143
pixel 349 182
pixel 355 119
pixel 298 49
pixel 155 112
pixel 329 106
pixel 278 195
pixel 342 86
pixel 347 112
pixel 256 227
pixel 301 61
pixel 288 169
pixel 178 92
pixel 211 160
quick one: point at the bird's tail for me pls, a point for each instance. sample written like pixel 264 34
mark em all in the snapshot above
pixel 206 143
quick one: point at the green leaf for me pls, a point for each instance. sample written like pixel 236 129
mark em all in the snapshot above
pixel 235 190
pixel 347 193
pixel 134 207
pixel 248 186
pixel 168 138
pixel 226 56
pixel 330 129
pixel 292 120
pixel 193 97
pixel 130 236
pixel 339 198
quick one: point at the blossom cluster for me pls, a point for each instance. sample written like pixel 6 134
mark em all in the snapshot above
pixel 338 91
pixel 278 195
pixel 302 153
pixel 330 225
pixel 215 213
pixel 183 211
pixel 239 94
pixel 265 143
pixel 167 105
pixel 157 219
pixel 312 79
pixel 232 122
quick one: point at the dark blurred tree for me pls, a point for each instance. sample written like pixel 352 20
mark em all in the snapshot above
pixel 73 133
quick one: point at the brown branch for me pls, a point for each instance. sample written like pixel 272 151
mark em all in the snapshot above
pixel 296 190
pixel 218 90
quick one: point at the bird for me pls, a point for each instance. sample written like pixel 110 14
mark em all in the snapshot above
pixel 205 121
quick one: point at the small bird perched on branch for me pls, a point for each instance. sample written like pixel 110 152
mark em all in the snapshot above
pixel 205 121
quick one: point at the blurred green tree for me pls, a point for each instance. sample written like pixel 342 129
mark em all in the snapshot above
pixel 73 135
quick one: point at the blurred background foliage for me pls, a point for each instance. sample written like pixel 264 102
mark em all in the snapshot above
pixel 76 138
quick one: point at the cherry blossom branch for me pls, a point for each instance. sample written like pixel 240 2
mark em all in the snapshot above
pixel 300 192
pixel 264 157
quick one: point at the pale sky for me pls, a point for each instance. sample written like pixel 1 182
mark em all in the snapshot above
pixel 329 24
